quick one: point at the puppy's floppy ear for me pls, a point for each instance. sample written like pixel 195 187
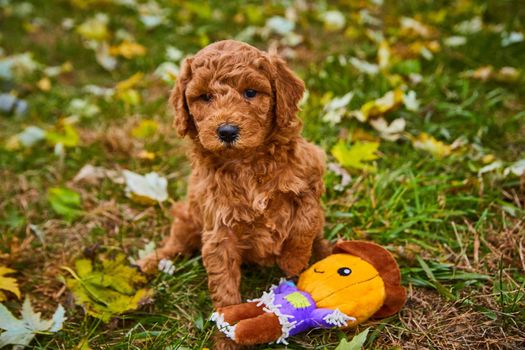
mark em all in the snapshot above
pixel 289 89
pixel 183 121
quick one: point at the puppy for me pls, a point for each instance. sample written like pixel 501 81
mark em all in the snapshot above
pixel 255 187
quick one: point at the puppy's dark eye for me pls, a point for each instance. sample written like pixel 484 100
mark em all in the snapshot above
pixel 344 271
pixel 205 97
pixel 250 93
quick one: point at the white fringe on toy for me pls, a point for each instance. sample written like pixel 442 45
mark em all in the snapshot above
pixel 223 326
pixel 268 300
pixel 337 318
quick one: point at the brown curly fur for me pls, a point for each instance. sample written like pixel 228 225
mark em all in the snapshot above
pixel 258 200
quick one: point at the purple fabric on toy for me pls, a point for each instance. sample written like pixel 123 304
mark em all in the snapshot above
pixel 299 309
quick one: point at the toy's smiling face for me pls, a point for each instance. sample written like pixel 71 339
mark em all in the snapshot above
pixel 345 282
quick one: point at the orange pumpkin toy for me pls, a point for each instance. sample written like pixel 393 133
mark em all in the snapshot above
pixel 358 281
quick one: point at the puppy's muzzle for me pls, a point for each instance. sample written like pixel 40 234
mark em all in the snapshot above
pixel 228 133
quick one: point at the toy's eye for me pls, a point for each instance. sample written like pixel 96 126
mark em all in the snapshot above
pixel 250 93
pixel 205 97
pixel 344 271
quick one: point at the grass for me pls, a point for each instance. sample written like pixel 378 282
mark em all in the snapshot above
pixel 458 235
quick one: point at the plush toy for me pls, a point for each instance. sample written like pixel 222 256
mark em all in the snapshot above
pixel 358 281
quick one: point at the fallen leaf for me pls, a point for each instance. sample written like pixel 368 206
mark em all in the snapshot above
pixel 44 84
pixel 18 66
pixel 148 249
pixel 357 342
pixel 280 25
pixel 455 40
pixel 147 128
pixel 22 331
pixel 490 167
pixel 485 73
pixel 412 27
pixel 8 284
pixel 152 14
pixel 64 134
pixel 168 72
pixel 470 26
pixel 65 202
pixel 146 189
pixel 428 143
pixel 10 103
pixel 383 54
pixel 364 66
pixel 336 108
pixel 95 28
pixel 386 104
pixel 356 155
pixel 107 287
pixel 516 168
pixel 340 171
pixel 83 108
pixel 174 54
pixel 388 132
pixel 129 83
pixel 333 20
pixel 508 39
pixel 127 50
pixel 30 136
pixel 411 102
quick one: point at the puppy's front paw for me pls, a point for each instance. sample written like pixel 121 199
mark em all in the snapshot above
pixel 223 343
pixel 148 264
pixel 292 265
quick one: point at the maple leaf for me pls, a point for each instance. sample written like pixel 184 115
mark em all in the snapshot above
pixel 8 283
pixel 355 156
pixel 107 288
pixel 22 331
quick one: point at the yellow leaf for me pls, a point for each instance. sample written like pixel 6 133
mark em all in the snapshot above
pixel 146 155
pixel 8 283
pixel 489 158
pixel 127 50
pixel 146 129
pixel 383 54
pixel 428 143
pixel 386 104
pixel 95 28
pixel 130 83
pixel 356 155
pixel 44 84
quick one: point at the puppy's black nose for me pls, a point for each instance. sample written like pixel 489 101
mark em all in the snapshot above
pixel 228 132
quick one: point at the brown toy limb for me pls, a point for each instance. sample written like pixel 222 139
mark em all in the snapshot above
pixel 184 238
pixel 387 267
pixel 235 313
pixel 262 329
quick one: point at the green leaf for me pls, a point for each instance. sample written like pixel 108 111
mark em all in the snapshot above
pixel 107 287
pixel 356 343
pixel 355 156
pixel 65 202
pixel 22 331
pixel 146 129
pixel 69 137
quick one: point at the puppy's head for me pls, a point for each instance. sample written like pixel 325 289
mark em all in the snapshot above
pixel 231 96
